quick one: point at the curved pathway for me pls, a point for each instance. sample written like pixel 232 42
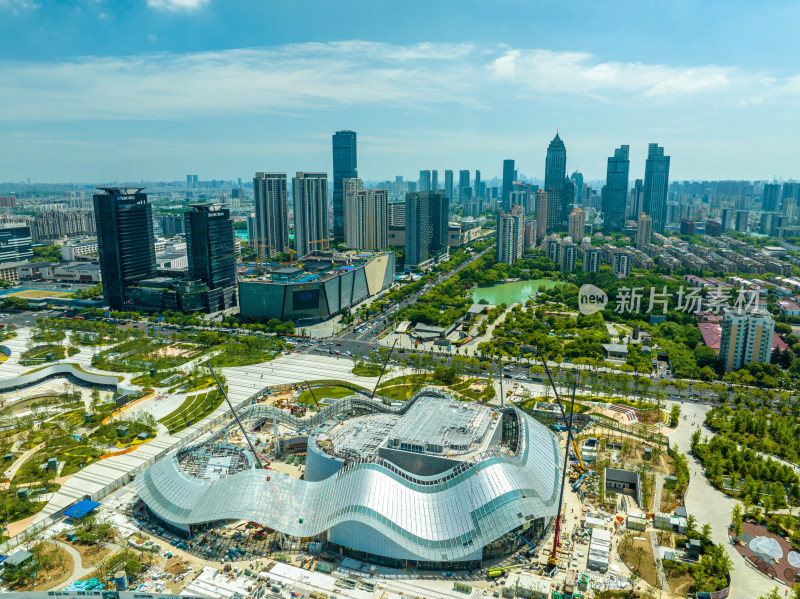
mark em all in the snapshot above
pixel 712 506
pixel 78 571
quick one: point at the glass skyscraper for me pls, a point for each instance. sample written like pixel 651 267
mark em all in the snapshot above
pixel 615 191
pixel 448 185
pixel 125 241
pixel 271 215
pixel 426 228
pixel 211 253
pixel 345 164
pixel 555 171
pixel 508 183
pixel 656 182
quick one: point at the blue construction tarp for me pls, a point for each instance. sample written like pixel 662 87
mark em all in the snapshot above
pixel 80 509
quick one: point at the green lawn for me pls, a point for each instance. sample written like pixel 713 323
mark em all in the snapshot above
pixel 367 370
pixel 193 409
pixel 332 392
pixel 107 433
pixel 39 354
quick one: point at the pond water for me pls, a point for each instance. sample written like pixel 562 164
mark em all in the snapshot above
pixel 511 293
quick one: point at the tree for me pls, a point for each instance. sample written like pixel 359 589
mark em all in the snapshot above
pixel 773 594
pixel 694 441
pixel 675 414
pixel 691 525
pixel 736 519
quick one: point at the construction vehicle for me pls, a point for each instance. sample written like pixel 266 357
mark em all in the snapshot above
pixel 297 410
pixel 552 559
pixel 499 571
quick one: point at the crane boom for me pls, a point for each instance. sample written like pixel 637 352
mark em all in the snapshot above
pixel 580 467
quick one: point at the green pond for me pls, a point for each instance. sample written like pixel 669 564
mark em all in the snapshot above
pixel 517 292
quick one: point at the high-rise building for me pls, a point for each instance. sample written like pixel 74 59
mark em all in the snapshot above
pixel 125 241
pixel 463 182
pixel 746 338
pixel 656 183
pixel 790 208
pixel 636 203
pixel 510 234
pixel 555 171
pixel 476 188
pixel 508 181
pixel 591 258
pixel 426 228
pixel 434 180
pixel 621 263
pixel 448 185
pixel 345 165
pixel 542 204
pixel 366 217
pixel 771 197
pixel 171 225
pixel 522 194
pixel 252 234
pixel 742 216
pixel 644 231
pixel 713 228
pixel 567 255
pixel 615 192
pixel 271 215
pixel 791 190
pixel 424 180
pixel 567 201
pixel 15 244
pixel 577 180
pixel 687 226
pixel 577 219
pixel 55 224
pixel 727 219
pixel 310 193
pixel 210 247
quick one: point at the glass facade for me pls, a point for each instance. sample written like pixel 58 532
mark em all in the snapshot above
pixel 615 192
pixel 125 241
pixel 656 183
pixel 345 165
pixel 372 506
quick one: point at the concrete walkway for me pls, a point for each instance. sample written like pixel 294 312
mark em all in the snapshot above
pixel 711 506
pixel 660 569
pixel 78 571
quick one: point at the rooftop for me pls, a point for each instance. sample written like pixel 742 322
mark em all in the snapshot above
pixel 432 426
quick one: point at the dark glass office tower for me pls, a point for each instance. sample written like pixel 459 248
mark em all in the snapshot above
pixel 615 192
pixel 508 183
pixel 656 182
pixel 463 183
pixel 771 198
pixel 448 185
pixel 345 163
pixel 210 249
pixel 426 228
pixel 125 241
pixel 555 171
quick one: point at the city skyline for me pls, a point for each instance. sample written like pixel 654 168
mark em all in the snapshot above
pixel 227 104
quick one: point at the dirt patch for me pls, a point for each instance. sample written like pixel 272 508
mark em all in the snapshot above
pixel 177 352
pixel 175 566
pixel 638 556
pixel 38 293
pixel 57 572
pixel 91 555
pixel 681 585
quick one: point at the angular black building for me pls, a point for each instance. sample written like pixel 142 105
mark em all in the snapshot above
pixel 125 240
pixel 211 253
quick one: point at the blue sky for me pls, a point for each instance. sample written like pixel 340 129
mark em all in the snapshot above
pixel 100 90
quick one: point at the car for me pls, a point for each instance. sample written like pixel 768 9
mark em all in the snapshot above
pixel 506 376
pixel 338 345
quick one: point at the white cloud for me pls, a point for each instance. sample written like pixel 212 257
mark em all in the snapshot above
pixel 16 5
pixel 294 78
pixel 550 72
pixel 152 37
pixel 175 5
